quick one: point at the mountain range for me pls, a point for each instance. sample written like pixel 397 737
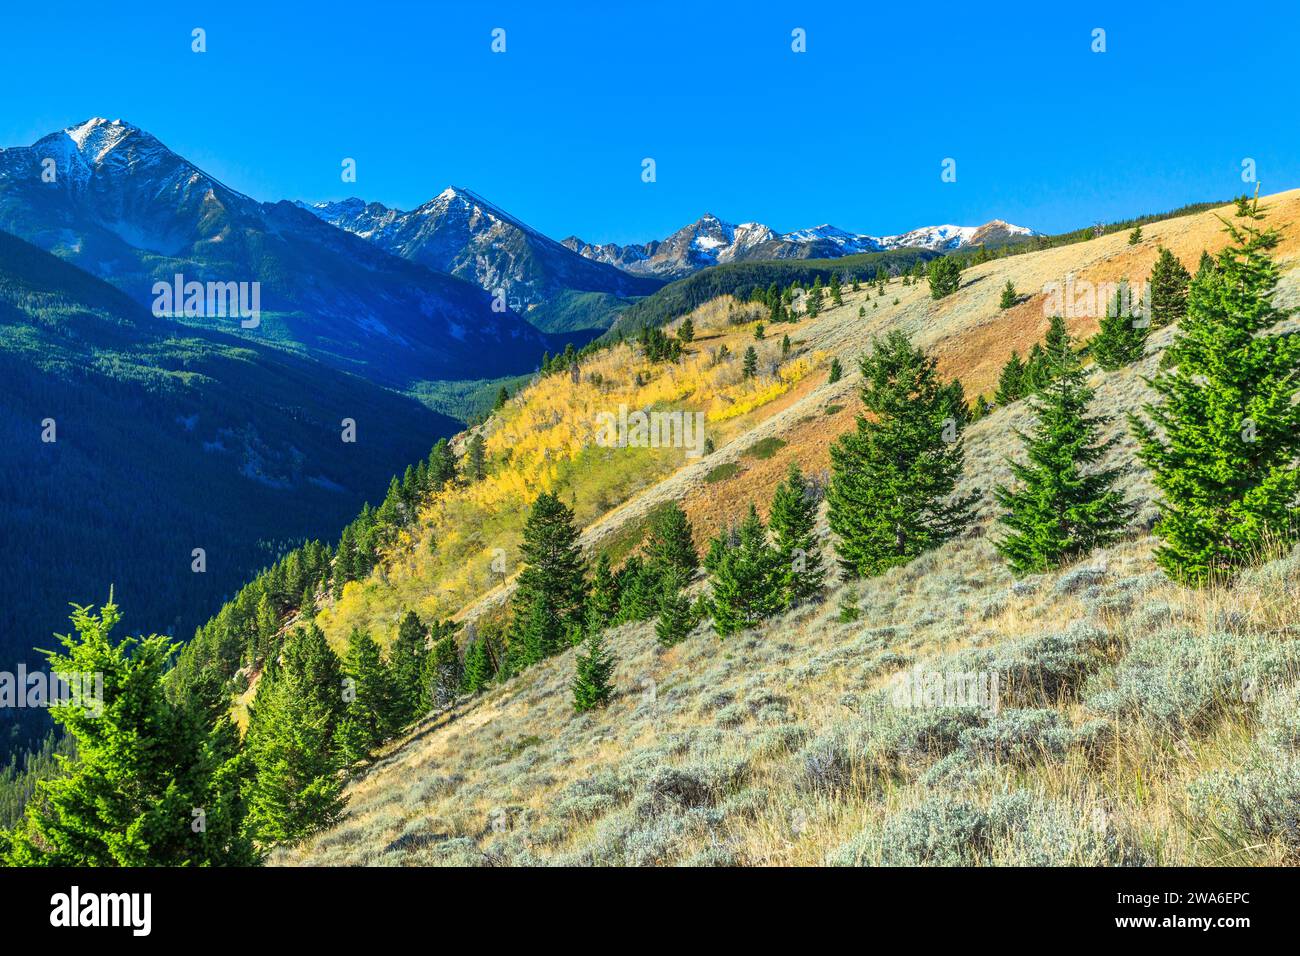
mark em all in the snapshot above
pixel 709 241
pixel 113 200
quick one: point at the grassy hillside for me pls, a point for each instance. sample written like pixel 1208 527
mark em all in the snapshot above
pixel 1140 722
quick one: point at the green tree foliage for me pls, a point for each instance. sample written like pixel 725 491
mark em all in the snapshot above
pixel 1064 505
pixel 944 276
pixel 676 616
pixel 686 331
pixel 747 579
pixel 551 595
pixel 1224 432
pixel 792 520
pixel 749 368
pixel 891 495
pixel 1121 339
pixel 480 667
pixel 476 459
pixel 296 787
pixel 1135 236
pixel 407 658
pixel 1169 281
pixel 593 675
pixel 837 372
pixel 670 543
pixel 143 764
pixel 1011 383
pixel 503 396
pixel 370 698
pixel 1009 296
pixel 445 674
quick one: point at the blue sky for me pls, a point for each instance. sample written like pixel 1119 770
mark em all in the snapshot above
pixel 1045 132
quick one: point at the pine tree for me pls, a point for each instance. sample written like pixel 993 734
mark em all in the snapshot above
pixel 746 580
pixel 479 669
pixel 593 675
pixel 476 459
pixel 445 673
pixel 503 396
pixel 686 331
pixel 785 346
pixel 637 585
pixel 750 366
pixel 1121 339
pixel 1226 432
pixel 1135 236
pixel 602 606
pixel 407 661
pixel 837 371
pixel 676 618
pixel 793 520
pixel 291 741
pixel 945 277
pixel 1169 281
pixel 891 495
pixel 670 544
pixel 836 295
pixel 1064 506
pixel 142 763
pixel 551 594
pixel 371 713
pixel 1009 296
pixel 1011 383
pixel 760 331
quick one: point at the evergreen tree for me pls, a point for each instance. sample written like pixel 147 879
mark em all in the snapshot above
pixel 686 331
pixel 945 276
pixel 296 788
pixel 750 366
pixel 1064 507
pixel 407 661
pixel 638 587
pixel 676 617
pixel 551 595
pixel 1169 281
pixel 442 465
pixel 602 606
pixel 1226 432
pixel 479 669
pixel 142 763
pixel 836 296
pixel 1009 296
pixel 1121 339
pixel 670 544
pixel 760 331
pixel 1011 383
pixel 837 371
pixel 747 580
pixel 1135 236
pixel 792 520
pixel 785 346
pixel 1206 264
pixel 891 495
pixel 371 714
pixel 476 459
pixel 445 673
pixel 503 396
pixel 593 675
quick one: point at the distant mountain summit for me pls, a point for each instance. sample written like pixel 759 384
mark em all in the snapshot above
pixel 461 233
pixel 709 241
pixel 112 199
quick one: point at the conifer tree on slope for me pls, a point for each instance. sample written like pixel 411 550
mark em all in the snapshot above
pixel 593 675
pixel 1121 338
pixel 1011 381
pixel 670 544
pixel 551 595
pixel 444 670
pixel 406 660
pixel 1169 281
pixel 892 480
pixel 792 520
pixel 1223 436
pixel 746 579
pixel 292 742
pixel 675 619
pixel 369 718
pixel 143 764
pixel 479 668
pixel 602 605
pixel 1064 506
